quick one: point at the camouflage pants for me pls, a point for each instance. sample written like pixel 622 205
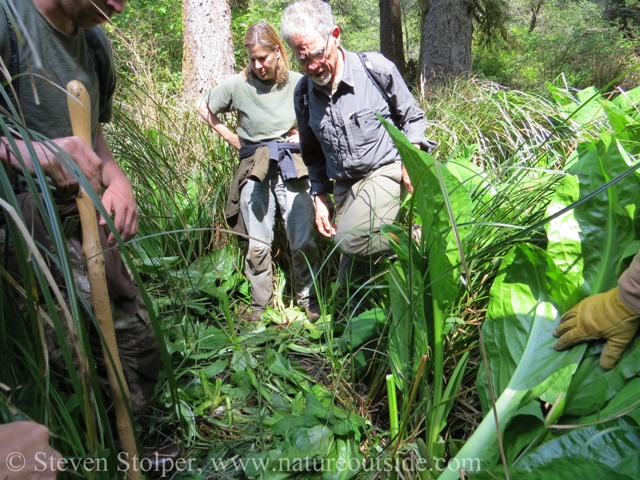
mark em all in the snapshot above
pixel 137 343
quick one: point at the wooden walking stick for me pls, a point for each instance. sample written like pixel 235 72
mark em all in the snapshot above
pixel 80 115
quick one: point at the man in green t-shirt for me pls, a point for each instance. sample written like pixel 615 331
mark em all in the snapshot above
pixel 64 42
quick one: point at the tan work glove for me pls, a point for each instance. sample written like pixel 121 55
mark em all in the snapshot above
pixel 601 316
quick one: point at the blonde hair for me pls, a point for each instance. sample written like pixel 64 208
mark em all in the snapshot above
pixel 264 35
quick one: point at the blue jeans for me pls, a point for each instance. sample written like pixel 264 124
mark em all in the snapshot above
pixel 258 201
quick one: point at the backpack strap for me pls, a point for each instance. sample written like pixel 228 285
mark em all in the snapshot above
pixel 14 67
pixel 94 44
pixel 376 79
pixel 305 87
pixel 426 145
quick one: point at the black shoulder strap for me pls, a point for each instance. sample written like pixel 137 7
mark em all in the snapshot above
pixel 94 45
pixel 14 67
pixel 305 87
pixel 377 81
pixel 304 90
pixel 426 145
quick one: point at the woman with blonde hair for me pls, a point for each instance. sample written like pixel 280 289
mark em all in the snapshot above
pixel 271 174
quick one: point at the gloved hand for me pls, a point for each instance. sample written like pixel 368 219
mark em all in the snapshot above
pixel 599 316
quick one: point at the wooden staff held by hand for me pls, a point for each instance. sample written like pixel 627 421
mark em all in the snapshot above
pixel 80 114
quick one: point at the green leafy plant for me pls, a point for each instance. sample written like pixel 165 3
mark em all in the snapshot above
pixel 585 249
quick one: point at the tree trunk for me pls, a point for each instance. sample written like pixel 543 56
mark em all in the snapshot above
pixel 208 45
pixel 535 5
pixel 391 32
pixel 446 39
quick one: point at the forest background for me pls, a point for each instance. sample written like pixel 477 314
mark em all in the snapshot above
pixel 526 98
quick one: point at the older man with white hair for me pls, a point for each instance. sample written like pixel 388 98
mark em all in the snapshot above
pixel 344 145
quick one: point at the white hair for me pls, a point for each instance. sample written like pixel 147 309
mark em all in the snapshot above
pixel 305 16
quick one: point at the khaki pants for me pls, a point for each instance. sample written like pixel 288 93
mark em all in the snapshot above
pixel 362 207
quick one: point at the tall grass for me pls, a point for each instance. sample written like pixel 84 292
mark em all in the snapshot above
pixel 507 149
pixel 41 316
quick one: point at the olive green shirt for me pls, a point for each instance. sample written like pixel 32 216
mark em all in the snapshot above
pixel 56 58
pixel 265 109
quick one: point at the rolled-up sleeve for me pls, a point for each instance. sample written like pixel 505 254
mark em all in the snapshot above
pixel 220 98
pixel 310 147
pixel 629 285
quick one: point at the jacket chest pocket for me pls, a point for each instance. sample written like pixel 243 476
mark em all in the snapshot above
pixel 318 125
pixel 364 129
pixel 323 131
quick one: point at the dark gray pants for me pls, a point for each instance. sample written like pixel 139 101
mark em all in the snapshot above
pixel 137 344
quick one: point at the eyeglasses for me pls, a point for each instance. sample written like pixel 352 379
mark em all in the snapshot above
pixel 314 57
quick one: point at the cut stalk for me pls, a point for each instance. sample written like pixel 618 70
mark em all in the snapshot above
pixel 393 408
pixel 485 437
pixel 79 105
pixel 433 427
pixel 392 400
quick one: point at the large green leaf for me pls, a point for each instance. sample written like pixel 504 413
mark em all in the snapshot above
pixel 519 342
pixel 340 422
pixel 360 337
pixel 626 401
pixel 562 468
pixel 443 203
pixel 624 116
pixel 587 243
pixel 471 175
pixel 615 161
pixel 441 200
pixel 615 444
pixel 523 430
pixel 408 326
pixel 585 108
pixel 519 311
pixel 565 246
pixel 212 273
pixel 281 366
pixel 591 386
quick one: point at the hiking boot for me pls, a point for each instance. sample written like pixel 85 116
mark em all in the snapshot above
pixel 161 460
pixel 313 312
pixel 254 315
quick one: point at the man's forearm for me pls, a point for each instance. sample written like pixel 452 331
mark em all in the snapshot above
pixel 111 171
pixel 118 199
pixel 52 160
pixel 10 160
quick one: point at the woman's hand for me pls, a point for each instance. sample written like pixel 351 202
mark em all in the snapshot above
pixel 215 123
pixel 293 136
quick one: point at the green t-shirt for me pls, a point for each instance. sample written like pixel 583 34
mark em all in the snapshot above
pixel 265 109
pixel 59 58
